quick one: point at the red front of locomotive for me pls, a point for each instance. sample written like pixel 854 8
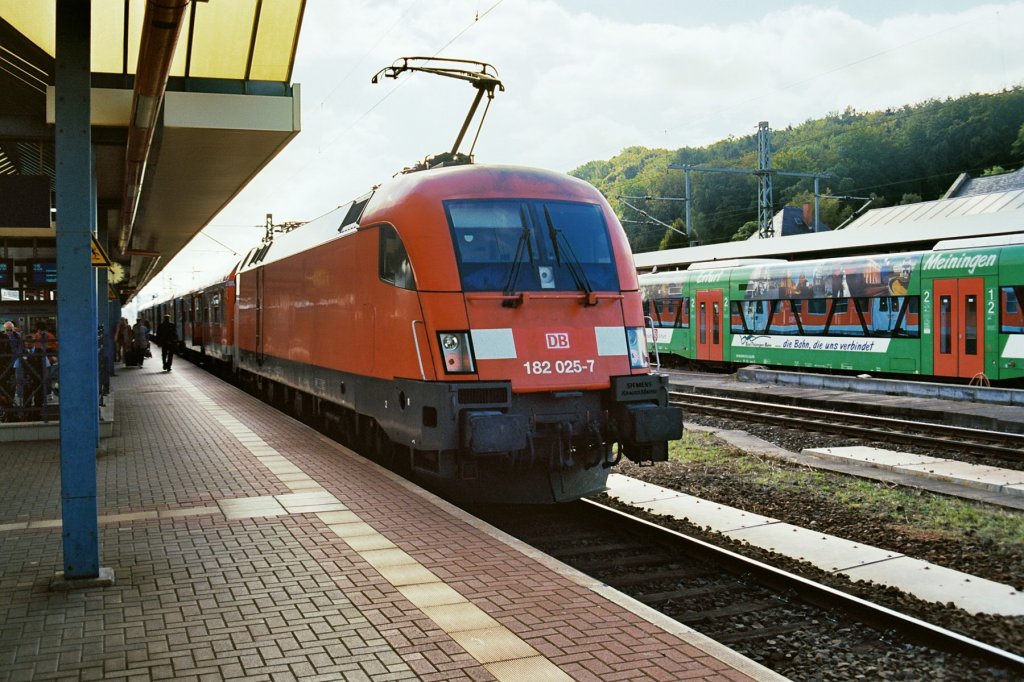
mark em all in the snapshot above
pixel 532 316
pixel 483 322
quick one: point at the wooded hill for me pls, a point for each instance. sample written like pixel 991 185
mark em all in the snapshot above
pixel 896 156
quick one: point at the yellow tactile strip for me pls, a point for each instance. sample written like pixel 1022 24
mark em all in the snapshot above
pixel 503 653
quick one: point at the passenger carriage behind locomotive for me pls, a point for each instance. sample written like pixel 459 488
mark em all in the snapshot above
pixel 204 320
pixel 482 324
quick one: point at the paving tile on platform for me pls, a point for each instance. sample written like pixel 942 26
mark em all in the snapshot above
pixel 131 516
pixel 338 516
pixel 250 507
pixel 824 551
pixel 407 574
pixel 300 503
pixel 533 669
pixel 379 558
pixel 353 529
pixel 308 487
pixel 431 594
pixel 493 644
pixel 290 478
pixel 459 617
pixel 362 543
pixel 187 511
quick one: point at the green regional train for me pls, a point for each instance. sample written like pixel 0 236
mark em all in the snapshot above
pixel 954 311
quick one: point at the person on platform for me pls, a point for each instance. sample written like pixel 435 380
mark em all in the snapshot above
pixel 18 355
pixel 167 337
pixel 140 339
pixel 43 347
pixel 122 339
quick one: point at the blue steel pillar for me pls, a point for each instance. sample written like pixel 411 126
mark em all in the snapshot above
pixel 106 360
pixel 76 293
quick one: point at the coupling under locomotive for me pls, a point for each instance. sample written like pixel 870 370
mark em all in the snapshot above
pixel 480 324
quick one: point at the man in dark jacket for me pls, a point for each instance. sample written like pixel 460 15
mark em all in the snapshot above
pixel 167 337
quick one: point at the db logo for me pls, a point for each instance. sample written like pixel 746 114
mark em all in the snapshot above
pixel 557 340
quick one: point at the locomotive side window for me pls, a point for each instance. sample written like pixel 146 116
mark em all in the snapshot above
pixel 531 245
pixel 1011 313
pixel 393 261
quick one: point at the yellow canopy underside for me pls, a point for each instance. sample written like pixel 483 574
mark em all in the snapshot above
pixel 223 34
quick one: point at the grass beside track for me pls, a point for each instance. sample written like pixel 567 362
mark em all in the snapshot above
pixel 910 511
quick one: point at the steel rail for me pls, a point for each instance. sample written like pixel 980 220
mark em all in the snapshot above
pixel 1008 446
pixel 828 597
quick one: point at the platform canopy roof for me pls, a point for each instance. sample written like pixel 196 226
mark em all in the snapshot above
pixel 882 230
pixel 229 108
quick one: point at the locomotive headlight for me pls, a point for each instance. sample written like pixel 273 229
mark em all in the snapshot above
pixel 636 344
pixel 456 352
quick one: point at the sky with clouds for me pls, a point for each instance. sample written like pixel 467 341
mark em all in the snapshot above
pixel 585 79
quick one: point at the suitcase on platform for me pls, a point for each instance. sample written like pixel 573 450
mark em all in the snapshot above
pixel 132 357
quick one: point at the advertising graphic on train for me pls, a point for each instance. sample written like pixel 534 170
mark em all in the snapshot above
pixel 840 278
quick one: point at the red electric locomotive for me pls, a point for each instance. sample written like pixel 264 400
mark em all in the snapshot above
pixel 482 324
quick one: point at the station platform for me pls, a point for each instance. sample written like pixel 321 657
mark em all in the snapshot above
pixel 246 545
pixel 971 407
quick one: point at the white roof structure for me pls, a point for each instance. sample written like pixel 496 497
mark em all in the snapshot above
pixel 896 228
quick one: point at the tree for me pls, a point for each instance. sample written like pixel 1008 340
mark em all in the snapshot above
pixel 748 230
pixel 674 238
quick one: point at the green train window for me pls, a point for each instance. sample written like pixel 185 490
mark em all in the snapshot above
pixel 669 311
pixel 882 316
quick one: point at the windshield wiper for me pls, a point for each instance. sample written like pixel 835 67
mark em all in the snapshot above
pixel 523 246
pixel 579 275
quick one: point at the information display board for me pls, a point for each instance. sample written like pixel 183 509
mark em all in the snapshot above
pixel 42 273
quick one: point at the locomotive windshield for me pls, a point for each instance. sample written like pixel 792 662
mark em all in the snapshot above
pixel 531 245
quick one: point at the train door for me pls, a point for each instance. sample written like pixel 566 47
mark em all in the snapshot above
pixel 959 329
pixel 260 285
pixel 709 325
pixel 205 313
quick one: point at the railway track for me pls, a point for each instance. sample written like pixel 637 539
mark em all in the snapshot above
pixel 978 442
pixel 783 621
